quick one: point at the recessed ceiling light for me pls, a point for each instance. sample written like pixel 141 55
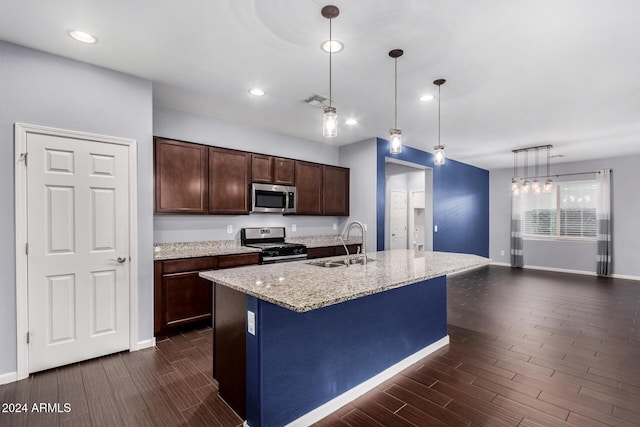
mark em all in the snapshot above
pixel 81 36
pixel 351 122
pixel 257 92
pixel 333 46
pixel 425 98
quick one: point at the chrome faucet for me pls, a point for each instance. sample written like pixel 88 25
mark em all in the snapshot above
pixel 345 236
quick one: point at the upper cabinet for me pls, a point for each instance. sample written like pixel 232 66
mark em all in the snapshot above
pixel 198 179
pixel 309 188
pixel 272 170
pixel 180 174
pixel 229 181
pixel 335 190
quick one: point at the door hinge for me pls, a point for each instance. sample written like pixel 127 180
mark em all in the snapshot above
pixel 26 248
pixel 27 337
pixel 23 157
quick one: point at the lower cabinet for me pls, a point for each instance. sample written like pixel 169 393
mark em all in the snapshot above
pixel 181 297
pixel 327 251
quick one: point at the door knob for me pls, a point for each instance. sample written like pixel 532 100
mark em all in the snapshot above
pixel 120 259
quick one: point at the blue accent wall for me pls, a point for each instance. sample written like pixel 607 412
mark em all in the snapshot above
pixel 460 201
pixel 299 361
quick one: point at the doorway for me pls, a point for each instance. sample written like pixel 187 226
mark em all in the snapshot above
pixel 408 218
pixel 76 268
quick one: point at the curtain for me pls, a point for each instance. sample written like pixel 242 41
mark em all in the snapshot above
pixel 517 255
pixel 603 214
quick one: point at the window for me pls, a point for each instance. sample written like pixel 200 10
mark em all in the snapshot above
pixel 568 211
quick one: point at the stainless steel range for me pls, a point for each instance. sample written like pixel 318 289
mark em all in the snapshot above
pixel 270 240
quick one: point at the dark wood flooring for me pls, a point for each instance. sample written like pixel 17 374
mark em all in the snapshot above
pixel 528 348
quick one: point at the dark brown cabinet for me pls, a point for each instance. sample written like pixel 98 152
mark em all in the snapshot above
pixel 180 173
pixel 229 181
pixel 335 190
pixel 327 251
pixel 272 170
pixel 309 188
pixel 181 297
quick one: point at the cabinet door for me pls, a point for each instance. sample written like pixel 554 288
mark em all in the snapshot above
pixel 230 261
pixel 284 171
pixel 309 188
pixel 180 173
pixel 229 180
pixel 335 194
pixel 261 168
pixel 187 298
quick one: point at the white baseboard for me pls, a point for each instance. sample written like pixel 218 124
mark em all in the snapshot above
pixel 566 270
pixel 9 377
pixel 350 395
pixel 151 342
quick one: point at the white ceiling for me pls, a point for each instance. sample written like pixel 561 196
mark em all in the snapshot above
pixel 519 72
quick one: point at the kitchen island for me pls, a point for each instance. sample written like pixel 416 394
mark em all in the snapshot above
pixel 316 337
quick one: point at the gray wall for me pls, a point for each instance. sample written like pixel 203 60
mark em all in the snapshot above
pixel 360 157
pixel 43 89
pixel 579 256
pixel 209 131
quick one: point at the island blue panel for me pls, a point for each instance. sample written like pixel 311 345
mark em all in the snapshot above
pixel 460 201
pixel 299 361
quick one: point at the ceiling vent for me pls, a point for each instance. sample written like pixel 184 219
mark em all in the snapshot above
pixel 317 101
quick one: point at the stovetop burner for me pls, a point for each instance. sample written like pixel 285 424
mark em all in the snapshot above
pixel 270 240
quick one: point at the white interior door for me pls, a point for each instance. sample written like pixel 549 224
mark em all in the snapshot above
pixel 78 257
pixel 398 219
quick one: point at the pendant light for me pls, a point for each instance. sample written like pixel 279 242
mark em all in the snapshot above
pixel 548 184
pixel 395 134
pixel 535 186
pixel 515 181
pixel 439 149
pixel 330 117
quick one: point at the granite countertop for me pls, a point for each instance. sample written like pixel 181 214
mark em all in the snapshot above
pixel 301 287
pixel 164 251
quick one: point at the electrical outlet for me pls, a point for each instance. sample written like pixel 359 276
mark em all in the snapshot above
pixel 335 226
pixel 229 229
pixel 293 227
pixel 435 228
pixel 251 322
pixel 501 253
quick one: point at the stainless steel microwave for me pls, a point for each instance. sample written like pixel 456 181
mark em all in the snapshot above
pixel 273 198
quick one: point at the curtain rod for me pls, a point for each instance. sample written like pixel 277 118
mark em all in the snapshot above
pixel 568 174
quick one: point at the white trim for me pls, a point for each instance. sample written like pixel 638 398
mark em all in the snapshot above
pixel 350 395
pixel 9 377
pixel 501 264
pixel 21 130
pixel 566 270
pixel 141 345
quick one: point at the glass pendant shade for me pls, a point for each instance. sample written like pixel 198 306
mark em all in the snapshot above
pixel 330 123
pixel 525 186
pixel 395 136
pixel 515 184
pixel 536 187
pixel 439 155
pixel 547 186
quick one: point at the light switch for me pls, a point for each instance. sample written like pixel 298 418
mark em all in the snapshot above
pixel 293 227
pixel 229 229
pixel 335 226
pixel 251 322
pixel 435 228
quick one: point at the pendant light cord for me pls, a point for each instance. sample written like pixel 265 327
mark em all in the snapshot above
pixel 439 114
pixel 330 56
pixel 395 60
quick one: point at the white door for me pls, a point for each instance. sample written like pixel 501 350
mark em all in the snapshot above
pixel 78 257
pixel 398 219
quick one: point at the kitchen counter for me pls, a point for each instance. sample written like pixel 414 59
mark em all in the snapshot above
pixel 164 251
pixel 295 341
pixel 301 287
